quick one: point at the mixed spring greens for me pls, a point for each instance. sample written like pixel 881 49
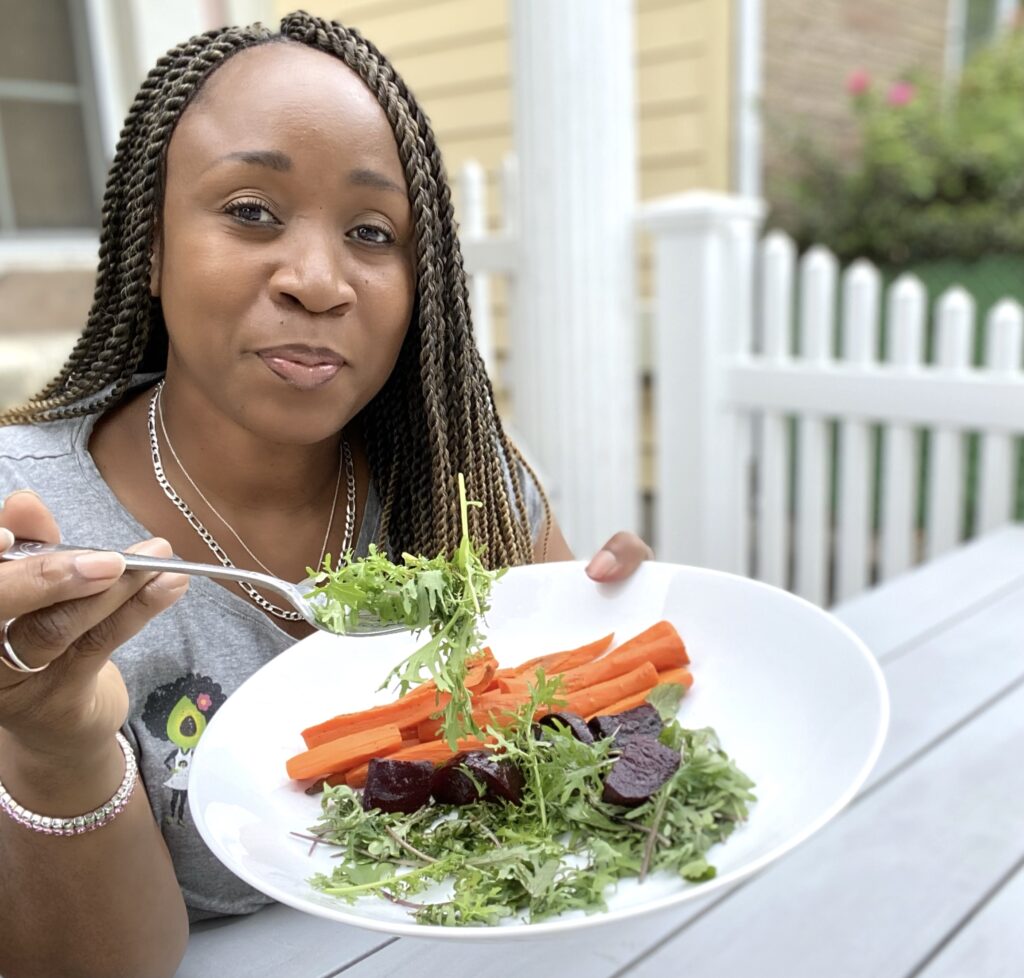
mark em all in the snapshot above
pixel 561 849
pixel 444 597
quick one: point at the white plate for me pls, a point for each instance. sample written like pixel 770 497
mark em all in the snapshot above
pixel 797 699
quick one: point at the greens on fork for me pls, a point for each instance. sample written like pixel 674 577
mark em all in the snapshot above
pixel 446 597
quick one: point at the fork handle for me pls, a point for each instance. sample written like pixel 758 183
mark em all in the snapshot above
pixel 33 548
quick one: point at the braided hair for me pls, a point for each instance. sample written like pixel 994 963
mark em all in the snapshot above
pixel 434 417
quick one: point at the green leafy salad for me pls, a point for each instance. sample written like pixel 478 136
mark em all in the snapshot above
pixel 445 597
pixel 562 848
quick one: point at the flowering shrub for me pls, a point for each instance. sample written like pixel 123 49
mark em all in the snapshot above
pixel 939 172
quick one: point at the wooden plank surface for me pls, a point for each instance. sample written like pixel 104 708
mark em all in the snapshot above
pixel 910 863
pixel 991 943
pixel 277 942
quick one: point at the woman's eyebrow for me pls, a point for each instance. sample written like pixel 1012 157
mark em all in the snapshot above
pixel 371 178
pixel 272 158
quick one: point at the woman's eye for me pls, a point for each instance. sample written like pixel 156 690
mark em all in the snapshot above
pixel 373 234
pixel 251 212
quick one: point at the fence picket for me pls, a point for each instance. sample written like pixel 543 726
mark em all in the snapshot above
pixel 996 475
pixel 778 259
pixel 861 291
pixel 473 198
pixel 818 272
pixel 905 320
pixel 946 472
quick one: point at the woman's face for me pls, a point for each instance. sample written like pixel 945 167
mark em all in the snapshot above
pixel 285 256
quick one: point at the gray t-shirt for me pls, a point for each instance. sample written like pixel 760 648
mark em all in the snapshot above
pixel 183 665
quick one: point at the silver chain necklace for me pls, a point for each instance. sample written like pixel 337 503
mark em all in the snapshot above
pixel 204 534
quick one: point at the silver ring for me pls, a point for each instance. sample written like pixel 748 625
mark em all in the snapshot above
pixel 9 657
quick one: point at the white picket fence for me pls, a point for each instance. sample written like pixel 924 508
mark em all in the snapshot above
pixel 790 445
pixel 779 424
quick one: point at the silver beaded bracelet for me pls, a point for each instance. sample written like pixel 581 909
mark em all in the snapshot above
pixel 77 824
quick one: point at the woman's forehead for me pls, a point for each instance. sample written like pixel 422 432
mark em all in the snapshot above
pixel 284 91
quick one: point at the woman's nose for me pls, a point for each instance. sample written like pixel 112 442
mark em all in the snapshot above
pixel 314 275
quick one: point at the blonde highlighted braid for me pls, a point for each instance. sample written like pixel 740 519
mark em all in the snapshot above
pixel 434 418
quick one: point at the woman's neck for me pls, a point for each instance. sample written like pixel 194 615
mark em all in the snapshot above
pixel 234 466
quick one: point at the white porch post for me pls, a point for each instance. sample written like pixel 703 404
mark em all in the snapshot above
pixel 704 257
pixel 573 370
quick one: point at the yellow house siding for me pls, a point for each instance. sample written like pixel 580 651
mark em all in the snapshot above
pixel 455 55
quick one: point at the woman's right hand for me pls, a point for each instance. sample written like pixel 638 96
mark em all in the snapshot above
pixel 70 611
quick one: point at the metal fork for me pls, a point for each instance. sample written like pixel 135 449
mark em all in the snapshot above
pixel 294 594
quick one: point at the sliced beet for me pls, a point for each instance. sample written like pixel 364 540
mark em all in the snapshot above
pixel 573 721
pixel 644 765
pixel 451 784
pixel 397 786
pixel 641 721
pixel 455 782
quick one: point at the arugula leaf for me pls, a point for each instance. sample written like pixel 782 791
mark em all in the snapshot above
pixel 665 698
pixel 446 598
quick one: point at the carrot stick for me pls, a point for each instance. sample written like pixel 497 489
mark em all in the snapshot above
pixel 555 661
pixel 405 712
pixel 345 752
pixel 678 677
pixel 488 708
pixel 663 653
pixel 437 751
pixel 588 701
pixel 682 677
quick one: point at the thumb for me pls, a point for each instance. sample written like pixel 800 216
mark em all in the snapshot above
pixel 26 516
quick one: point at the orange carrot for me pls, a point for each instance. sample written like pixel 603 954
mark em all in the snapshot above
pixel 488 708
pixel 681 677
pixel 678 677
pixel 345 752
pixel 405 712
pixel 436 750
pixel 586 702
pixel 561 661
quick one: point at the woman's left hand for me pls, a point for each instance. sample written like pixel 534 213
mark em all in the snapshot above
pixel 619 558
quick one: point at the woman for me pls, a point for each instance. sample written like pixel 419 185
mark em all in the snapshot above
pixel 278 364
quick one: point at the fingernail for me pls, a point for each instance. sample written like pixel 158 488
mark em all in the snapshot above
pixel 19 492
pixel 99 565
pixel 170 582
pixel 6 539
pixel 602 565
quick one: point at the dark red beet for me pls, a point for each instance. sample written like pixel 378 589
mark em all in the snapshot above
pixel 397 786
pixel 452 786
pixel 641 721
pixel 573 721
pixel 643 767
pixel 454 780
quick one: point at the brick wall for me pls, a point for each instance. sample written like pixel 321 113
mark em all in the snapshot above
pixel 811 48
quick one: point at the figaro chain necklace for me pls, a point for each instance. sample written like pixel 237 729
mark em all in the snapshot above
pixel 155 409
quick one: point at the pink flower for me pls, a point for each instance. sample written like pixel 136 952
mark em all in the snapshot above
pixel 858 82
pixel 204 702
pixel 900 93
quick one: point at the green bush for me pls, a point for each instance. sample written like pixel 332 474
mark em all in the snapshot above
pixel 939 172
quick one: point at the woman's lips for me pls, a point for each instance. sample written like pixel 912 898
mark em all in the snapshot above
pixel 303 367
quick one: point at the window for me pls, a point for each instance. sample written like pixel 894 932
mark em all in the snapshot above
pixel 51 163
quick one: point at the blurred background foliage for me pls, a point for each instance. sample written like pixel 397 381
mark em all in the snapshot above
pixel 938 173
pixel 934 183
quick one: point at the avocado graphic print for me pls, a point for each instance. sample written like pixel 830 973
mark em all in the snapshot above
pixel 178 712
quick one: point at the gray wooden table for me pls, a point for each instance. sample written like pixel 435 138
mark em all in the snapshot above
pixel 921 877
